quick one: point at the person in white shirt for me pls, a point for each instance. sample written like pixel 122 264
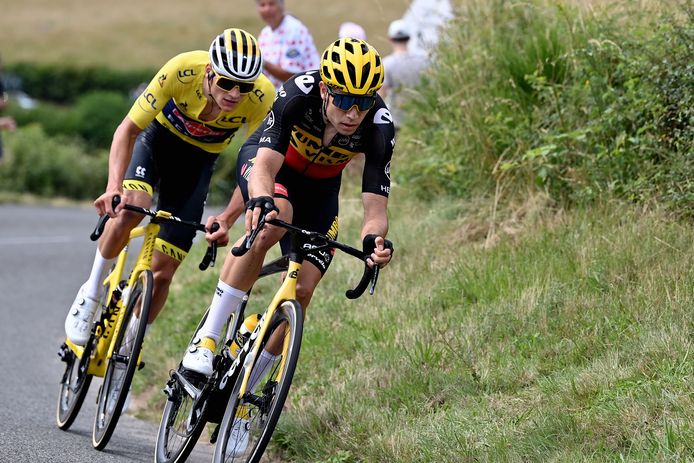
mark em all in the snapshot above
pixel 403 70
pixel 286 43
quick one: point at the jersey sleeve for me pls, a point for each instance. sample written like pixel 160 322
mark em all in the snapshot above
pixel 380 145
pixel 158 92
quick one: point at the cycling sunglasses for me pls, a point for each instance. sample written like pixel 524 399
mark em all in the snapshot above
pixel 345 101
pixel 228 85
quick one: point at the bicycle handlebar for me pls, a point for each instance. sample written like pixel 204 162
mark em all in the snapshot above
pixel 208 259
pixel 370 275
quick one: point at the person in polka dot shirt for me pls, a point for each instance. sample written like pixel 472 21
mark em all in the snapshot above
pixel 286 43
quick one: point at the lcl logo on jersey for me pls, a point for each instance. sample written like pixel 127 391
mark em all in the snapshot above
pixel 186 76
pixel 233 119
pixel 151 99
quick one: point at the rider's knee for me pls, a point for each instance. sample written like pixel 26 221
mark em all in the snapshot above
pixel 304 294
pixel 163 275
pixel 268 238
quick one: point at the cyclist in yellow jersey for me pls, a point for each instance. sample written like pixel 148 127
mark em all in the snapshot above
pixel 169 143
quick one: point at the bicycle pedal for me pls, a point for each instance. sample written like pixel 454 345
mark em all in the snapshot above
pixel 64 353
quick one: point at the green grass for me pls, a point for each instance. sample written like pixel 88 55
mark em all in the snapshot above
pixel 552 336
pixel 509 327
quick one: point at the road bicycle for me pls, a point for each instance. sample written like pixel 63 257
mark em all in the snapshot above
pixel 226 395
pixel 114 352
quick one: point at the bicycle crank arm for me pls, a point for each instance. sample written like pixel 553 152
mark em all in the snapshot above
pixel 190 389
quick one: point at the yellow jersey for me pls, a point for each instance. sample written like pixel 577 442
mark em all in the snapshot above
pixel 175 98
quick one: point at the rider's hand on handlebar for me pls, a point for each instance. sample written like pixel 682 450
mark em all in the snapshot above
pixel 381 250
pixel 104 203
pixel 221 236
pixel 257 208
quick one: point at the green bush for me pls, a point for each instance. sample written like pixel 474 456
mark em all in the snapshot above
pixel 51 166
pixel 66 83
pixel 577 103
pixel 54 119
pixel 97 115
pixel 94 117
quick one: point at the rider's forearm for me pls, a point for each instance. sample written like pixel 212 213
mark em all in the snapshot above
pixel 375 215
pixel 262 179
pixel 121 152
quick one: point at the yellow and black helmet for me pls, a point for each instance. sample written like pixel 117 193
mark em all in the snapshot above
pixel 235 54
pixel 352 66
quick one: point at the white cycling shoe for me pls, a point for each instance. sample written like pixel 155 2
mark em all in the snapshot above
pixel 78 323
pixel 199 356
pixel 238 438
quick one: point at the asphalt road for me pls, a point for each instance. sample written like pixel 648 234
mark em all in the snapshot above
pixel 45 255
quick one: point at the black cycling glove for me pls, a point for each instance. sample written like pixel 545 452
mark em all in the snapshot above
pixel 265 203
pixel 369 244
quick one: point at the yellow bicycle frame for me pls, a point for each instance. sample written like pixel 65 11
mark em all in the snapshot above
pixel 287 291
pixel 105 346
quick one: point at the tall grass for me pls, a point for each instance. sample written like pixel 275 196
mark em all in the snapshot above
pixel 578 102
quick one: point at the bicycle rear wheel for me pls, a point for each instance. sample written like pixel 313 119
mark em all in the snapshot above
pixel 182 421
pixel 121 367
pixel 73 386
pixel 252 419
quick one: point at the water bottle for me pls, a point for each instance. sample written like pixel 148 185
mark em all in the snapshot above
pixel 243 334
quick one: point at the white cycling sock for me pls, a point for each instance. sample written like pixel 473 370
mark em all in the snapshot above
pixel 262 366
pixel 225 301
pixel 94 285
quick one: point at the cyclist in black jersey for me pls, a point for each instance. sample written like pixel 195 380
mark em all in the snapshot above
pixel 169 143
pixel 320 120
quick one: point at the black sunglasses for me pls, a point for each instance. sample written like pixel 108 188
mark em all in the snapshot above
pixel 345 102
pixel 228 85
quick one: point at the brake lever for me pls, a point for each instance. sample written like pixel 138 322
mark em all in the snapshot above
pixel 210 256
pixel 374 279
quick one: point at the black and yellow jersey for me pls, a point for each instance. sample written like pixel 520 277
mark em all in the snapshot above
pixel 295 128
pixel 175 98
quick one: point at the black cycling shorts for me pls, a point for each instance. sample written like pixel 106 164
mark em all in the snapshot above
pixel 315 201
pixel 180 174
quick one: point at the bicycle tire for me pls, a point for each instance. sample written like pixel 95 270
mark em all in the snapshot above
pixel 175 440
pixel 113 393
pixel 263 410
pixel 73 389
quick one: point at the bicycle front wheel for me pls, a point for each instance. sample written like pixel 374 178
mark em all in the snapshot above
pixel 182 421
pixel 121 367
pixel 249 421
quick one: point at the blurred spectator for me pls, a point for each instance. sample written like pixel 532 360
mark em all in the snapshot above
pixel 6 122
pixel 425 19
pixel 402 71
pixel 285 42
pixel 350 29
